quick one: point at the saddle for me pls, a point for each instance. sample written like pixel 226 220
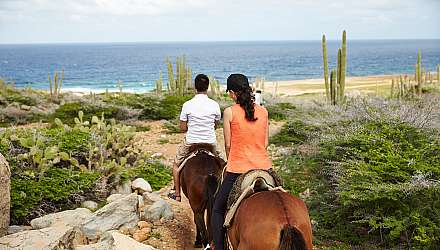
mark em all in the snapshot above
pixel 248 184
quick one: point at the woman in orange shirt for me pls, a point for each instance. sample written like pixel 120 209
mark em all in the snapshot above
pixel 246 133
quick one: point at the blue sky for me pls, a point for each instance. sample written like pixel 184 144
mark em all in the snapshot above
pixel 42 21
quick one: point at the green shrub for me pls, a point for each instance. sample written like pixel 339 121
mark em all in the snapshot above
pixel 55 189
pixel 167 108
pixel 155 173
pixel 382 179
pixel 69 111
pixel 280 111
pixel 73 141
pixel 294 132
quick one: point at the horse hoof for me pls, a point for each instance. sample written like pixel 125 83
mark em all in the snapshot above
pixel 198 244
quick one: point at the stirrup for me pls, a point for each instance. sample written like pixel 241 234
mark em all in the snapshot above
pixel 174 197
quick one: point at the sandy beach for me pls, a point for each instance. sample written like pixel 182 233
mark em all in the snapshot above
pixel 316 86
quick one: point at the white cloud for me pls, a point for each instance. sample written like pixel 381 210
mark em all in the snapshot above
pixel 159 20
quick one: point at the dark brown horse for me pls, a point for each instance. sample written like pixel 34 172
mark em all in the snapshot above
pixel 199 179
pixel 271 220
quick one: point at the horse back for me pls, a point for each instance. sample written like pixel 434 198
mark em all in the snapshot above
pixel 261 219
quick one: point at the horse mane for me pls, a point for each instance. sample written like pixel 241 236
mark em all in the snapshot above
pixel 198 146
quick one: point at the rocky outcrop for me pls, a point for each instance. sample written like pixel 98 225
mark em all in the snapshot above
pixel 122 212
pixel 116 241
pixel 5 198
pixel 51 238
pixel 160 209
pixel 70 218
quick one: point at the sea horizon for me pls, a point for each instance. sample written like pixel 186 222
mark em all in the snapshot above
pixel 99 66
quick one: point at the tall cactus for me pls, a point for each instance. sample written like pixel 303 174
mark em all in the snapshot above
pixel 343 67
pixel 438 74
pixel 171 83
pixel 56 84
pixel 392 88
pixel 159 84
pixel 333 82
pixel 419 72
pixel 325 61
pixel 5 197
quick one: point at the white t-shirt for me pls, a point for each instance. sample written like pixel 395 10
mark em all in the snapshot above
pixel 200 112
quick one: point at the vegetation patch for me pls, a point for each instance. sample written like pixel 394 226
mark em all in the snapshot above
pixel 69 111
pixel 280 111
pixel 371 181
pixel 53 191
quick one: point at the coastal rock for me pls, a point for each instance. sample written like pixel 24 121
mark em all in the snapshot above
pixel 124 188
pixel 16 229
pixel 70 218
pixel 5 198
pixel 141 186
pixel 91 205
pixel 160 209
pixel 116 241
pixel 51 238
pixel 122 212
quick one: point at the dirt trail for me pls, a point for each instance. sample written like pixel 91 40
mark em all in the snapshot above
pixel 180 232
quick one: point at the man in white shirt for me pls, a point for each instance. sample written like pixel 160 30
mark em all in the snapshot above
pixel 198 119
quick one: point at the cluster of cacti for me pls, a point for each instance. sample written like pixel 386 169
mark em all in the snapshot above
pixel 402 87
pixel 159 84
pixel 214 86
pixel 181 83
pixel 56 84
pixel 335 91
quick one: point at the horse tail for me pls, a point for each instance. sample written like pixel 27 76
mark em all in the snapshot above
pixel 292 239
pixel 211 189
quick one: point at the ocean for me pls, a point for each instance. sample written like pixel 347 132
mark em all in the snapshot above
pixel 99 66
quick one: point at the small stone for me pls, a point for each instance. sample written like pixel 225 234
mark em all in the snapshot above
pixel 156 155
pixel 124 230
pixel 143 224
pixel 90 205
pixel 141 185
pixel 25 107
pixel 141 234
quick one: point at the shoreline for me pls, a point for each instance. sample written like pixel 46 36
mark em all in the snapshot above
pixel 285 87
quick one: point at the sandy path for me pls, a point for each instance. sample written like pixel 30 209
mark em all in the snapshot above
pixel 180 232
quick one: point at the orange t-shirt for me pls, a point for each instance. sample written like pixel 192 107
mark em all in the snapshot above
pixel 248 138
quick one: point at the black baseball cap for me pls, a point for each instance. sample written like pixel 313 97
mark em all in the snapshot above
pixel 236 82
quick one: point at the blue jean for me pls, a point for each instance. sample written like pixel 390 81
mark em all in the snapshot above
pixel 219 210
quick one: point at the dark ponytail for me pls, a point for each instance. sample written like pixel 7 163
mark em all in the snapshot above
pixel 246 99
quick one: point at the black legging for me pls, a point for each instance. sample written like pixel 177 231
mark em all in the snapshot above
pixel 219 210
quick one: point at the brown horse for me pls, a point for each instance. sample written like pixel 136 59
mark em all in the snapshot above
pixel 199 179
pixel 271 220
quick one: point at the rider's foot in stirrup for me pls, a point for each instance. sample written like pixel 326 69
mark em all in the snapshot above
pixel 174 197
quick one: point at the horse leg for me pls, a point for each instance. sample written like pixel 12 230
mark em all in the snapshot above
pixel 201 236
